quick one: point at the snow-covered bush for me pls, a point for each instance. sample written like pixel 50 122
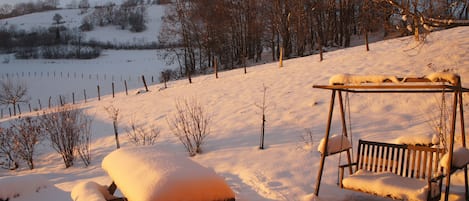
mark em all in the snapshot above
pixel 191 124
pixel 68 129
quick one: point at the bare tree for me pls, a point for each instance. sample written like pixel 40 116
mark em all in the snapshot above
pixel 57 18
pixel 13 93
pixel 263 107
pixel 191 124
pixel 422 16
pixel 114 115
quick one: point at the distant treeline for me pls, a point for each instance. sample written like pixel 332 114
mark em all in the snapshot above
pixel 232 32
pixel 7 10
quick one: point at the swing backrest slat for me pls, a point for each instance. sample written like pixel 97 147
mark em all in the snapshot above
pixel 411 161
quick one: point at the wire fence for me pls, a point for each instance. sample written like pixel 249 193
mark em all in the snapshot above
pixel 52 89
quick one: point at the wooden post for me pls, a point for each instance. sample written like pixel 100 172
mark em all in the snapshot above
pixel 463 139
pixel 61 101
pixel 84 94
pixel 50 100
pixel 451 145
pixel 9 109
pixel 116 134
pixel 344 129
pixel 113 95
pixel 99 93
pixel 125 85
pixel 244 65
pixel 326 140
pixel 280 63
pixel 39 102
pixel 215 67
pixel 73 98
pixel 261 145
pixel 19 109
pixel 29 105
pixel 144 83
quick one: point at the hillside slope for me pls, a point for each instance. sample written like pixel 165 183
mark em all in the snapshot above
pixel 286 169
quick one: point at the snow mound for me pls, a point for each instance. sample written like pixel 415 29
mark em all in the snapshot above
pixel 90 191
pixel 460 158
pixel 16 186
pixel 341 79
pixel 335 144
pixel 151 174
pixel 428 139
pixel 443 76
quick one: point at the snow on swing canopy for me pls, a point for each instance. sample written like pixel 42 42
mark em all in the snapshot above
pixel 349 79
pixel 432 83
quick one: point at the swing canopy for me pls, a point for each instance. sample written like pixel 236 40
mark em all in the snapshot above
pixel 440 82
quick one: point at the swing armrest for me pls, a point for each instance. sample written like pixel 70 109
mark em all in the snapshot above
pixel 347 165
pixel 341 174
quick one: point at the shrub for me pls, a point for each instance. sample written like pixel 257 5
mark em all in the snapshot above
pixel 68 129
pixel 140 135
pixel 7 150
pixel 27 134
pixel 190 124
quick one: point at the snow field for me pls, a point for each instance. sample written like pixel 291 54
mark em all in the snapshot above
pixel 284 170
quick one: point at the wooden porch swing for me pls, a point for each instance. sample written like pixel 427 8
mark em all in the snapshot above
pixel 399 162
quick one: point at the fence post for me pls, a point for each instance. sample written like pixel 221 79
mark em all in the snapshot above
pixel 9 109
pixel 99 93
pixel 84 94
pixel 215 66
pixel 280 63
pixel 125 85
pixel 19 109
pixel 144 83
pixel 73 98
pixel 50 100
pixel 40 106
pixel 113 90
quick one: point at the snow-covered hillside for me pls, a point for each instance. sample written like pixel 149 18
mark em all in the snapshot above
pixel 286 169
pixel 53 78
pixel 72 19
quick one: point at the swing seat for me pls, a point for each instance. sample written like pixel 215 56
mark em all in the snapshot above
pixel 398 171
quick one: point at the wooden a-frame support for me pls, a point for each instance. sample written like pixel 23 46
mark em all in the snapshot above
pixel 455 88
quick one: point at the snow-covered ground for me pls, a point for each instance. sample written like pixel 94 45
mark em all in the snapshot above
pixel 287 168
pixel 68 78
pixel 64 3
pixel 72 19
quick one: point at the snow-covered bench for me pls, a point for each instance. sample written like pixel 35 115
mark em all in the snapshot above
pixel 398 171
pixel 152 174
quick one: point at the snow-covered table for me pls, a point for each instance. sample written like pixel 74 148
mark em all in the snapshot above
pixel 151 174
